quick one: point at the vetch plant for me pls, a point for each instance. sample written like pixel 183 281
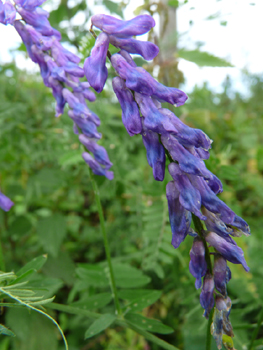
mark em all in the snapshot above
pixel 192 193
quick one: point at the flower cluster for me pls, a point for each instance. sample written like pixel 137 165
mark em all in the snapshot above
pixel 193 191
pixel 61 72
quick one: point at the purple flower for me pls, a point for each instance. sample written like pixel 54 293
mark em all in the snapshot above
pixel 189 197
pixel 153 118
pixel 136 26
pixel 100 154
pixel 240 227
pixel 197 265
pixel 144 48
pixel 7 12
pixel 227 249
pixel 155 153
pixel 207 300
pixel 130 112
pixel 96 167
pixel 38 18
pixel 222 274
pixel 62 55
pixel 213 223
pixel 5 202
pixel 88 127
pixel 188 136
pixel 95 65
pixel 57 90
pixel 211 201
pixel 180 219
pixel 187 162
pixel 79 109
pixel 29 4
pixel 139 80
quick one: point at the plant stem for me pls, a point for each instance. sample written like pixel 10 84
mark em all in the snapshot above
pixel 200 230
pixel 255 333
pixel 208 331
pixel 106 243
pixel 123 323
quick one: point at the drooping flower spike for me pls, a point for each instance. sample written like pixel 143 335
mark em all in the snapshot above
pixel 194 189
pixel 61 72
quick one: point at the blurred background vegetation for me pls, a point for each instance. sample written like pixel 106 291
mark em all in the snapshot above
pixel 55 213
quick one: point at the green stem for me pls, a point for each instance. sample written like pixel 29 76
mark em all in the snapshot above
pixel 200 230
pixel 208 331
pixel 2 262
pixel 106 243
pixel 120 322
pixel 255 333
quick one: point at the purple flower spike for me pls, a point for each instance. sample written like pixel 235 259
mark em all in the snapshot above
pixel 88 127
pixel 180 219
pixel 130 112
pixel 206 297
pixel 128 58
pixel 95 167
pixel 95 65
pixel 7 13
pixel 99 152
pixel 154 120
pixel 29 5
pixel 211 201
pixel 74 69
pixel 189 197
pixel 213 223
pixel 228 250
pixel 57 89
pixel 139 80
pixel 188 136
pixel 187 162
pixel 136 26
pixel 240 227
pixel 144 48
pixel 155 153
pixel 197 265
pixel 221 274
pixel 5 202
pixel 79 109
pixel 38 18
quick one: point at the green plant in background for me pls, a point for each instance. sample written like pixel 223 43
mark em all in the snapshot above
pixel 54 210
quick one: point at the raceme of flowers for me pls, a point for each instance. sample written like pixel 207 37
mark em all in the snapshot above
pixel 193 190
pixel 60 71
pixel 192 194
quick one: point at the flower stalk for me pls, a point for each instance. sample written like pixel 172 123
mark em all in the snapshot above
pixel 106 244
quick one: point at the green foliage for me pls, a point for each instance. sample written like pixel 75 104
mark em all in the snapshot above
pixel 55 226
pixel 99 325
pixel 202 59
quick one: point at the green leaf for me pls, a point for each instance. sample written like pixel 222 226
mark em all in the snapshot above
pixel 93 275
pixel 203 59
pixel 127 276
pixel 147 298
pixel 6 331
pixel 34 264
pixel 113 7
pixel 94 302
pixel 228 172
pixel 70 158
pixel 51 232
pixel 99 325
pixel 173 3
pixel 20 226
pixel 151 325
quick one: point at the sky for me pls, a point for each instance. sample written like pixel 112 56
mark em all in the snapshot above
pixel 237 40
